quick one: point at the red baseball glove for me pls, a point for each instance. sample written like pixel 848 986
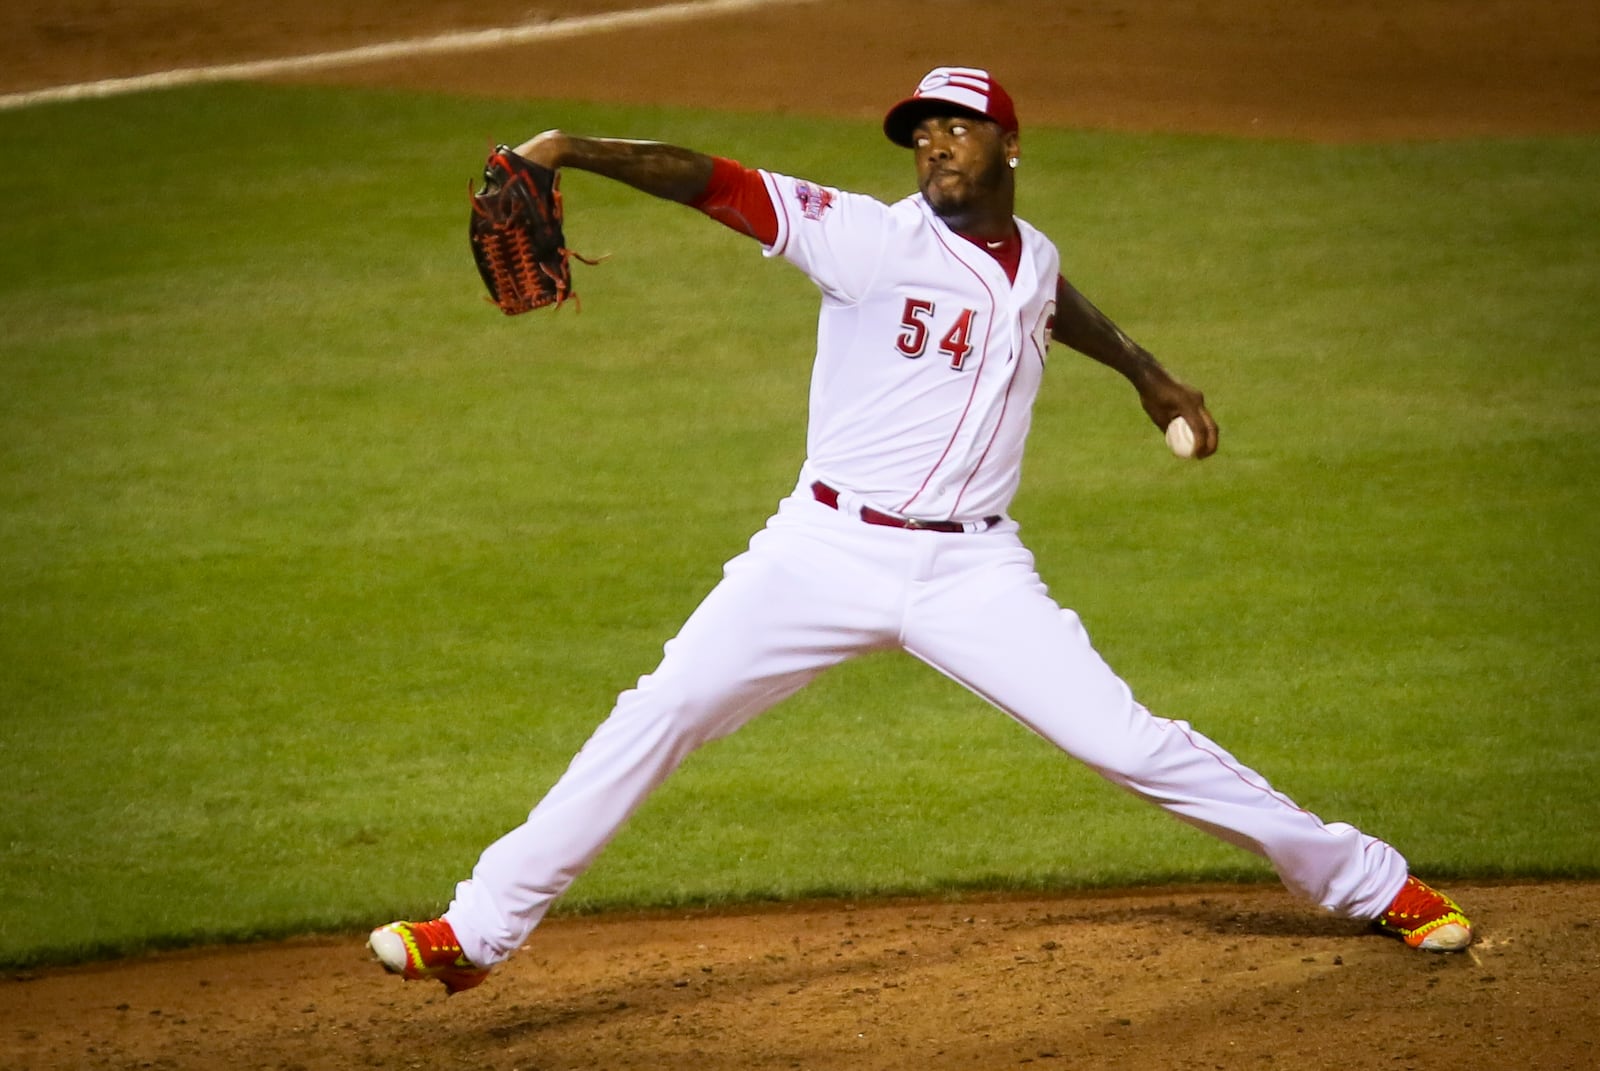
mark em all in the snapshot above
pixel 516 235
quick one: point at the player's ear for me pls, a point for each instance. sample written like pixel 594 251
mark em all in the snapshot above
pixel 1013 148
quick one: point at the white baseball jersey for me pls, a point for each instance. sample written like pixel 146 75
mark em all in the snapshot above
pixel 928 357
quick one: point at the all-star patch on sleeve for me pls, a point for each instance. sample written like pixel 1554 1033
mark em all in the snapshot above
pixel 833 236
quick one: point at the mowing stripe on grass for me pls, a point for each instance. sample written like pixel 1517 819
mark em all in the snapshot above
pixel 456 41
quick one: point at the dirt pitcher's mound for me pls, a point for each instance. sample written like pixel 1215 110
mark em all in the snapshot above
pixel 1220 977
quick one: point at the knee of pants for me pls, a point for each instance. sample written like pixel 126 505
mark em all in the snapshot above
pixel 1123 746
pixel 684 712
pixel 1158 755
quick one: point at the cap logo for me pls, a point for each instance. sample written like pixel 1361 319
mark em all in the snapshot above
pixel 967 86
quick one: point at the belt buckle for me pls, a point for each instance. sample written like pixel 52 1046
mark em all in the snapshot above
pixel 914 525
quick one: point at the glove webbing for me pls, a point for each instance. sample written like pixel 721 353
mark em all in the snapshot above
pixel 512 260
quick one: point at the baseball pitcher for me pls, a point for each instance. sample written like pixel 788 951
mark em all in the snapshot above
pixel 938 313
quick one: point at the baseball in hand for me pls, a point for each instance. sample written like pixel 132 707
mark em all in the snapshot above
pixel 1180 437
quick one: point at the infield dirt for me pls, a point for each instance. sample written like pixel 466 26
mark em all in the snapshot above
pixel 1157 980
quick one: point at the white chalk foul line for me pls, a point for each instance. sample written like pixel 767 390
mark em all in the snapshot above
pixel 460 41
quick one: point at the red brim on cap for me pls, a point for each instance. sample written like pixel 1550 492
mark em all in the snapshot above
pixel 904 117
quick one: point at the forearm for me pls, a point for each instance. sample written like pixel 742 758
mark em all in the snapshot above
pixel 665 171
pixel 1089 331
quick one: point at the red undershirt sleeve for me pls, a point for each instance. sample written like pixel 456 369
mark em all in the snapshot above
pixel 737 198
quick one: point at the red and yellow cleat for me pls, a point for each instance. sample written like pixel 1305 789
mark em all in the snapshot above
pixel 1425 918
pixel 421 950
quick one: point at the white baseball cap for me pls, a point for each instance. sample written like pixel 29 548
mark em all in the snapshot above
pixel 971 90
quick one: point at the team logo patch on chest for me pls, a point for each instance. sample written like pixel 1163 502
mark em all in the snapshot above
pixel 814 200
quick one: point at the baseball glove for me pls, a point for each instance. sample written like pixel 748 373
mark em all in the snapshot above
pixel 516 235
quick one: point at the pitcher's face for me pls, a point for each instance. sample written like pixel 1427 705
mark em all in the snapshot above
pixel 963 163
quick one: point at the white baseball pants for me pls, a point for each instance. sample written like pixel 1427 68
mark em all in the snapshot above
pixel 818 586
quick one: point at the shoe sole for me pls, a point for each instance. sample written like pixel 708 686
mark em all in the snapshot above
pixel 1451 937
pixel 389 949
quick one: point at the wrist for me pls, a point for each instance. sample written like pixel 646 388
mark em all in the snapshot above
pixel 548 149
pixel 1145 372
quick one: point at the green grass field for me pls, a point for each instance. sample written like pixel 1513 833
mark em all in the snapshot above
pixel 316 570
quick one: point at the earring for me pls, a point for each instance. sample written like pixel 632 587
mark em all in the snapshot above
pixel 1013 162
